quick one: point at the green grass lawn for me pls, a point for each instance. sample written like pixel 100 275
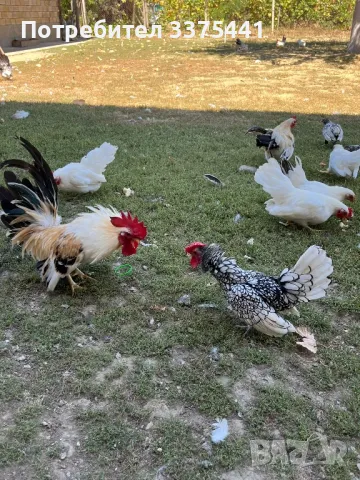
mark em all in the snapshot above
pixel 119 382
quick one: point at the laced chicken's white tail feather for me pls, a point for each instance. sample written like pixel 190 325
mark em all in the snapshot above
pixel 274 326
pixel 273 181
pixel 310 275
pixel 98 159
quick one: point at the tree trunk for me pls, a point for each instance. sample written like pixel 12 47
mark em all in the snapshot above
pixel 354 45
pixel 206 11
pixel 61 19
pixel 84 12
pixel 134 12
pixel 145 14
pixel 77 15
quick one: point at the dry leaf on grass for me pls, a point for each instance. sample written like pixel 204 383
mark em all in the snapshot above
pixel 158 308
pixel 308 340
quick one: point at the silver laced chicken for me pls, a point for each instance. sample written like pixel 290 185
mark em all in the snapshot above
pixel 257 298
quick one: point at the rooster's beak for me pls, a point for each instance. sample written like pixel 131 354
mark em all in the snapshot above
pixel 135 242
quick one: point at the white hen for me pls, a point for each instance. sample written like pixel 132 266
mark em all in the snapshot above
pixel 86 176
pixel 344 163
pixel 294 205
pixel 298 179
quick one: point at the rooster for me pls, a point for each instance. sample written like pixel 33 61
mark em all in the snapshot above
pixel 279 143
pixel 30 213
pixel 5 65
pixel 344 163
pixel 86 176
pixel 294 205
pixel 298 178
pixel 332 132
pixel 257 130
pixel 255 297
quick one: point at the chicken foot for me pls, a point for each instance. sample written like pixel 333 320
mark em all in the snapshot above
pixel 286 224
pixel 312 229
pixel 293 311
pixel 74 286
pixel 247 328
pixel 82 275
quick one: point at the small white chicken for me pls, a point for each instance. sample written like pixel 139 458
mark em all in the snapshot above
pixel 344 163
pixel 281 43
pixel 297 176
pixel 86 176
pixel 301 43
pixel 332 132
pixel 294 205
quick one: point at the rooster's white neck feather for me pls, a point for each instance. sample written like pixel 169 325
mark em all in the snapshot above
pixel 98 236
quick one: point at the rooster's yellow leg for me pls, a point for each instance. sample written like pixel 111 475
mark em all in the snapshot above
pixel 294 311
pixel 324 171
pixel 82 275
pixel 74 286
pixel 312 229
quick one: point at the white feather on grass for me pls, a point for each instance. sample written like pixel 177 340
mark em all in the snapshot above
pixel 220 430
pixel 247 168
pixel 128 192
pixel 308 340
pixel 20 114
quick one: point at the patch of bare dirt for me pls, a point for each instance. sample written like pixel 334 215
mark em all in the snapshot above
pixel 182 356
pixel 17 473
pixel 160 410
pixel 34 303
pixel 118 361
pixel 248 473
pixel 60 435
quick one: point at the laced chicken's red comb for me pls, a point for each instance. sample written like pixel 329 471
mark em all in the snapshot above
pixel 193 246
pixel 125 219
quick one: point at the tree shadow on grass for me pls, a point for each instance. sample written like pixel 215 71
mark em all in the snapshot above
pixel 334 53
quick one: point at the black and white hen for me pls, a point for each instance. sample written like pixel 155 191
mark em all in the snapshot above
pixel 5 65
pixel 332 132
pixel 352 148
pixel 241 47
pixel 255 297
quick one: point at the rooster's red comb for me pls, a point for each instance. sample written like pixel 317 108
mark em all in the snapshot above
pixel 136 228
pixel 193 246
